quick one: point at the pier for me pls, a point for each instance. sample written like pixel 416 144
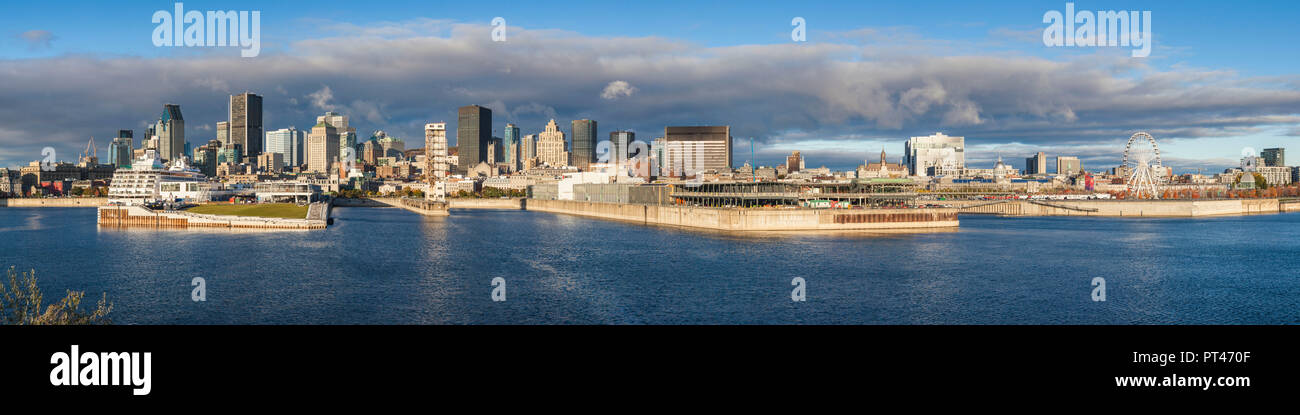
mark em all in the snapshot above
pixel 1123 208
pixel 755 219
pixel 140 217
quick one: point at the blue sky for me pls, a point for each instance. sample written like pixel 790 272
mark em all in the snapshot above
pixel 1257 38
pixel 1219 46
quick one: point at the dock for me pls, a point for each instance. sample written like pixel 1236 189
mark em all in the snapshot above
pixel 756 219
pixel 141 217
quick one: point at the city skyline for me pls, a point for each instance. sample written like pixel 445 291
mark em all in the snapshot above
pixel 863 86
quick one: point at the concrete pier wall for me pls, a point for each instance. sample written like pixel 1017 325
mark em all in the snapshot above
pixel 54 202
pixel 454 203
pixel 754 219
pixel 1123 208
pixel 135 216
pixel 497 203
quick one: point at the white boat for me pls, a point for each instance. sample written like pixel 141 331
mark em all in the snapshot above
pixel 149 181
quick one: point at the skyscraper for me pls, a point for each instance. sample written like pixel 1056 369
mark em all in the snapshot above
pixel 1274 157
pixel 527 152
pixel 584 143
pixel 619 142
pixel 223 133
pixel 205 157
pixel 347 135
pixel 689 150
pixel 1068 165
pixel 794 162
pixel 473 135
pixel 120 150
pixel 288 143
pixel 435 151
pixel 1036 164
pixel 322 147
pixel 529 146
pixel 246 123
pixel 171 133
pixel 550 146
pixel 511 143
pixel 657 155
pixel 936 151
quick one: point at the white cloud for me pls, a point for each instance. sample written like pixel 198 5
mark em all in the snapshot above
pixel 321 98
pixel 617 89
pixel 398 79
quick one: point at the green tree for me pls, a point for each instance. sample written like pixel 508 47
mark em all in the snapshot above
pixel 1260 182
pixel 21 303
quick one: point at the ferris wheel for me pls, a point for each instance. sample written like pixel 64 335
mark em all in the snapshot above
pixel 1143 171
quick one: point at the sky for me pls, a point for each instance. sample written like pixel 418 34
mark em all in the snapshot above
pixel 1220 78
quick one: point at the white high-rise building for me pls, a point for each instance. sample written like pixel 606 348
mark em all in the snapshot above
pixel 288 142
pixel 938 151
pixel 435 151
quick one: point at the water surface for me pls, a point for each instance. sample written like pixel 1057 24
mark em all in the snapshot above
pixel 391 266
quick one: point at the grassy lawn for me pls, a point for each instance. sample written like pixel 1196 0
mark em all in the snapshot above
pixel 263 210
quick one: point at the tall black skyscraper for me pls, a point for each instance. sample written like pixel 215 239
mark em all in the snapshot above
pixel 246 123
pixel 473 135
pixel 584 144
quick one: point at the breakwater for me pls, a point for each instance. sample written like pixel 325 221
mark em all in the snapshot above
pixel 486 203
pixel 754 219
pixel 1125 208
pixel 415 204
pixel 136 216
pixel 54 202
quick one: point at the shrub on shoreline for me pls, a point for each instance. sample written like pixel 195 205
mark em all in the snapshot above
pixel 21 304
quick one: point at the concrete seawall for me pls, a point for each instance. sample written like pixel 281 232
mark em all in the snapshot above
pixel 135 216
pixel 498 203
pixel 420 206
pixel 55 202
pixel 454 203
pixel 754 219
pixel 1125 208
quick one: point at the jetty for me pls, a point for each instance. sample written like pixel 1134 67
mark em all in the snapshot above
pixel 317 217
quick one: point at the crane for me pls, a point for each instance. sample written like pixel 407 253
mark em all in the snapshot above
pixel 91 154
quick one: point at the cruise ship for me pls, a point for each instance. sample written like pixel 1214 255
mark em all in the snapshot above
pixel 149 181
